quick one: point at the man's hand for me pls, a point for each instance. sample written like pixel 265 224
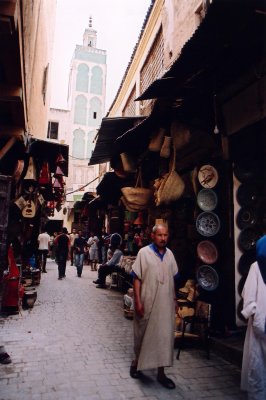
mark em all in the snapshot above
pixel 139 308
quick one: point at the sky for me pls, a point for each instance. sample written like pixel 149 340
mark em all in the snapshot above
pixel 118 24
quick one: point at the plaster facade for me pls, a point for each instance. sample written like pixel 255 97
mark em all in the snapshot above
pixel 159 46
pixel 36 28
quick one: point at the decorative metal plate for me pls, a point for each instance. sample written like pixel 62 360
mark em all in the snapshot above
pixel 207 252
pixel 247 194
pixel 246 217
pixel 208 176
pixel 248 238
pixel 207 200
pixel 207 278
pixel 208 224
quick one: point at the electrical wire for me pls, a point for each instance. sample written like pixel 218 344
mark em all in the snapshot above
pixel 82 187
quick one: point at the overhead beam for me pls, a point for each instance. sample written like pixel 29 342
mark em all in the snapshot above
pixel 10 93
pixel 12 131
pixel 7 8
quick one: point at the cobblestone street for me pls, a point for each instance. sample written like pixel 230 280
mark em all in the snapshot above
pixel 76 344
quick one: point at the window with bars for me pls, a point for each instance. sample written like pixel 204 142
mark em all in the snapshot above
pixel 130 107
pixel 52 132
pixel 154 64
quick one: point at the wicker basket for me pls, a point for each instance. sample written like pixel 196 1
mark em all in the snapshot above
pixel 171 187
pixel 138 197
pixel 156 141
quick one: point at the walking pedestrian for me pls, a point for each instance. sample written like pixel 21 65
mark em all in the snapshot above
pixel 102 247
pixel 93 246
pixel 43 249
pixel 73 235
pixel 62 243
pixel 253 374
pixel 80 245
pixel 154 320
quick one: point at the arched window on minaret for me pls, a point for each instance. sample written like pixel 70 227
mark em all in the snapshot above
pixel 82 82
pixel 95 112
pixel 96 80
pixel 90 144
pixel 80 112
pixel 78 143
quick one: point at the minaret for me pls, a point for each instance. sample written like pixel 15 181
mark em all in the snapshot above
pixel 87 88
pixel 90 36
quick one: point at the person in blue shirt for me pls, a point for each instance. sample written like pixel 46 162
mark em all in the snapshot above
pixel 111 265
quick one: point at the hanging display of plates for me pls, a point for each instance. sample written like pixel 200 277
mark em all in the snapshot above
pixel 246 173
pixel 208 176
pixel 208 224
pixel 248 238
pixel 247 194
pixel 207 252
pixel 207 200
pixel 246 217
pixel 245 261
pixel 207 277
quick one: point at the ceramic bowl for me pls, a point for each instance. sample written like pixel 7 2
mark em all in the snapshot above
pixel 208 176
pixel 207 277
pixel 207 252
pixel 207 200
pixel 208 224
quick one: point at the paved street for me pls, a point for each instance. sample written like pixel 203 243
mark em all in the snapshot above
pixel 75 344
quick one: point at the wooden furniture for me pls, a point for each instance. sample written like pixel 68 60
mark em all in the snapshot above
pixel 195 327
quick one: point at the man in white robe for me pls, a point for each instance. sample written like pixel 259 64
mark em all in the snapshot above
pixel 154 296
pixel 253 375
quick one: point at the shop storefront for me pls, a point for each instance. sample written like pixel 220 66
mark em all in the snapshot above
pixel 32 186
pixel 205 125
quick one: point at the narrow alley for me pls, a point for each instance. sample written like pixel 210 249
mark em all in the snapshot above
pixel 76 344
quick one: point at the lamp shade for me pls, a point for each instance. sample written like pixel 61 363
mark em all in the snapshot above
pixel 139 219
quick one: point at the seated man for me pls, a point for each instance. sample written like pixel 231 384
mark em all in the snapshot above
pixel 109 267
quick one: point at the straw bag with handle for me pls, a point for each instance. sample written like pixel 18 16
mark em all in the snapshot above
pixel 132 207
pixel 128 163
pixel 170 187
pixel 166 147
pixel 156 141
pixel 137 197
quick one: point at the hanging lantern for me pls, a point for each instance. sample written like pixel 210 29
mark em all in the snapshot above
pixel 59 171
pixel 58 206
pixel 45 177
pixel 139 219
pixel 60 159
pixel 57 184
pixel 50 207
pixel 31 171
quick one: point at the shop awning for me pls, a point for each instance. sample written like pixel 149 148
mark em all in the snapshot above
pixel 136 140
pixel 232 35
pixel 110 130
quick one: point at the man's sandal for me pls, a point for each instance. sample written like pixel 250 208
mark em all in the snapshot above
pixel 134 373
pixel 5 358
pixel 166 382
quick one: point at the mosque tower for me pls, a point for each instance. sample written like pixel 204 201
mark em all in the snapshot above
pixel 86 101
